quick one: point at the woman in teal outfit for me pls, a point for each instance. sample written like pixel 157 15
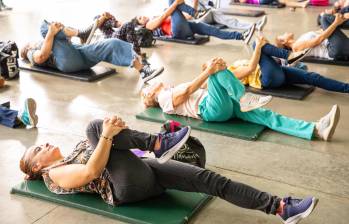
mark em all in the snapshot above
pixel 216 96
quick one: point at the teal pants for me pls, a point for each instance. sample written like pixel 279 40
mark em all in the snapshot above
pixel 222 104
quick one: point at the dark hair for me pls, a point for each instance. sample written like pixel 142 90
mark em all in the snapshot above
pixel 26 165
pixel 135 21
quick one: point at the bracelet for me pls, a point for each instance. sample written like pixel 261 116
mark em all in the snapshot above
pixel 106 138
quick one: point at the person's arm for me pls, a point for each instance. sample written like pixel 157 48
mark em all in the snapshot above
pixel 302 45
pixel 40 56
pixel 181 96
pixel 77 175
pixel 156 22
pixel 243 71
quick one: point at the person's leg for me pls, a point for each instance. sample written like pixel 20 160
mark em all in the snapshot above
pixel 126 139
pixel 272 75
pixel 265 2
pixel 8 117
pixel 206 29
pixel 271 50
pixel 277 122
pixel 67 57
pixel 186 177
pixel 338 47
pixel 229 21
pixel 223 87
pixel 179 24
pixel 114 51
pixel 299 76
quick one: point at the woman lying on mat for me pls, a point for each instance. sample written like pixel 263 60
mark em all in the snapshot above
pixel 173 23
pixel 104 164
pixel 329 43
pixel 56 51
pixel 270 74
pixel 224 99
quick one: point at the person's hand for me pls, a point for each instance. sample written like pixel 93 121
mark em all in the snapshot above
pixel 112 126
pixel 178 2
pixel 215 65
pixel 55 27
pixel 339 19
pixel 261 41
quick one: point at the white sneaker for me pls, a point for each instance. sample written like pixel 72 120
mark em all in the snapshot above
pixel 251 101
pixel 261 23
pixel 247 35
pixel 326 126
pixel 294 57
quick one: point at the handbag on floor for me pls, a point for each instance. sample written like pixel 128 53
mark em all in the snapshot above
pixel 9 60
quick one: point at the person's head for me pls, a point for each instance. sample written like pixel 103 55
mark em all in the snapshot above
pixel 285 40
pixel 150 94
pixel 24 51
pixel 140 20
pixel 38 157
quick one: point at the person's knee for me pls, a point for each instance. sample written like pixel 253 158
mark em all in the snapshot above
pixel 94 126
pixel 44 28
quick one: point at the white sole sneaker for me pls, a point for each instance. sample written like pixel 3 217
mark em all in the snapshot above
pixel 262 101
pixel 31 108
pixel 171 152
pixel 154 74
pixel 248 38
pixel 306 213
pixel 260 26
pixel 335 114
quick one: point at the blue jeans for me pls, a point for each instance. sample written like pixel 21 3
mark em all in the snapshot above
pixel 71 58
pixel 8 117
pixel 183 29
pixel 275 75
pixel 338 47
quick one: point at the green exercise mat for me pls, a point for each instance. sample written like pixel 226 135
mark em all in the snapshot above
pixel 171 207
pixel 234 128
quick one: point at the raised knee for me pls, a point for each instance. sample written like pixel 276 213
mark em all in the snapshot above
pixel 94 125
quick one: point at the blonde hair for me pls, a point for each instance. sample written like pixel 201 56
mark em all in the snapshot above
pixel 148 100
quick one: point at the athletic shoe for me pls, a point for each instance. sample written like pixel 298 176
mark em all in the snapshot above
pixel 6 104
pixel 147 73
pixel 297 209
pixel 251 101
pixel 294 57
pixel 171 143
pixel 201 13
pixel 86 35
pixel 28 116
pixel 247 35
pixel 261 23
pixel 327 125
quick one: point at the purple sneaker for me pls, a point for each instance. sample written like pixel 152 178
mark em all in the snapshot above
pixel 171 143
pixel 297 209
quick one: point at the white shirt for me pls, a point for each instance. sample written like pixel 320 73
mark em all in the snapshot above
pixel 319 51
pixel 189 108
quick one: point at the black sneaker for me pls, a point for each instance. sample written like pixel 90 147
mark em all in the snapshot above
pixel 297 209
pixel 147 73
pixel 247 35
pixel 294 57
pixel 201 13
pixel 85 35
pixel 171 143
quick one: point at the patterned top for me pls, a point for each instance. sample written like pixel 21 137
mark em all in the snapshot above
pixel 102 185
pixel 127 32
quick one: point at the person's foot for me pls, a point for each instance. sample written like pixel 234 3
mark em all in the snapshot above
pixel 147 73
pixel 294 57
pixel 325 127
pixel 251 101
pixel 247 35
pixel 2 82
pixel 28 116
pixel 85 35
pixel 297 209
pixel 261 23
pixel 201 13
pixel 170 143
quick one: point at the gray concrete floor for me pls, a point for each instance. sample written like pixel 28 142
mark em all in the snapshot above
pixel 276 163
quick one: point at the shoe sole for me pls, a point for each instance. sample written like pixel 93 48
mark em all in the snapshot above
pixel 334 121
pixel 248 38
pixel 303 215
pixel 31 107
pixel 247 109
pixel 156 73
pixel 94 28
pixel 171 152
pixel 260 28
pixel 300 58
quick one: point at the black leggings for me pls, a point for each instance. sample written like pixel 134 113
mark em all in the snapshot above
pixel 136 179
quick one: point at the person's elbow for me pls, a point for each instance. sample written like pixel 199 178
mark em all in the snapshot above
pixel 40 58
